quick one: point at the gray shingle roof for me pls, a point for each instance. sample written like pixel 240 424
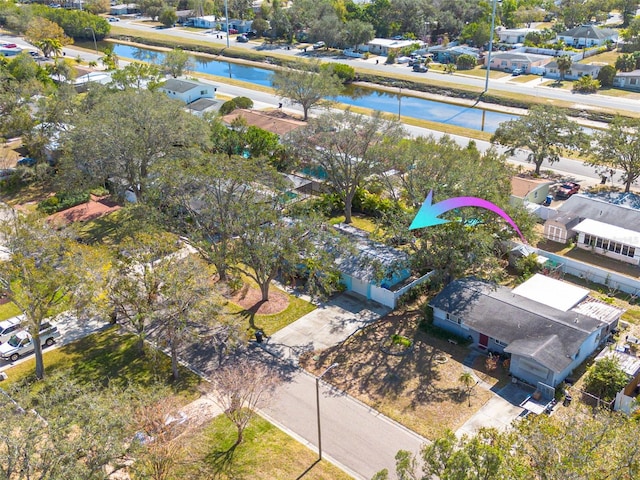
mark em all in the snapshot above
pixel 179 86
pixel 619 209
pixel 589 32
pixel 549 336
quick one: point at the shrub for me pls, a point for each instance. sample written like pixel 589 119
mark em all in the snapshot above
pixel 238 102
pixel 586 84
pixel 391 58
pixel 466 62
pixel 62 201
pixel 346 73
pixel 606 75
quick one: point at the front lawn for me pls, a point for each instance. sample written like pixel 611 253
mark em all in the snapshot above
pixel 8 310
pixel 108 357
pixel 359 221
pixel 266 453
pixel 270 324
pixel 419 387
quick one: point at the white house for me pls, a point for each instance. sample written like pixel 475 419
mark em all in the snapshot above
pixel 207 21
pixel 514 35
pixel 382 46
pixel 548 327
pixel 628 80
pixel 187 91
pixel 606 224
pixel 588 36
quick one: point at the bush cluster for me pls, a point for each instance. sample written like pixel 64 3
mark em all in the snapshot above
pixel 238 102
pixel 62 201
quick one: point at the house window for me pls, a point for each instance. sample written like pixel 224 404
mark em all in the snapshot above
pixel 454 319
pixel 203 92
pixel 499 342
pixel 589 240
pixel 599 243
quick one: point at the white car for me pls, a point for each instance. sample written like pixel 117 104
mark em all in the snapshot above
pixel 9 327
pixel 22 344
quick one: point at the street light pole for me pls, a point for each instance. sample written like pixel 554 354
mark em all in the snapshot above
pixel 226 17
pixel 333 365
pixel 491 33
pixel 95 44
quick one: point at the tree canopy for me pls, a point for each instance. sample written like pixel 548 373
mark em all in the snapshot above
pixel 308 89
pixel 545 131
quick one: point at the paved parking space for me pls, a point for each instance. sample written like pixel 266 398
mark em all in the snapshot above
pixel 328 325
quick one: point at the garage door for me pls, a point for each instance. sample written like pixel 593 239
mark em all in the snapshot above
pixel 360 287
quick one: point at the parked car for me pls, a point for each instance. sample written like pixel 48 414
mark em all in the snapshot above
pixel 233 31
pixel 242 39
pixel 567 189
pixel 420 68
pixel 9 327
pixel 517 71
pixel 251 34
pixel 27 162
pixel 318 45
pixel 21 343
pixel 114 19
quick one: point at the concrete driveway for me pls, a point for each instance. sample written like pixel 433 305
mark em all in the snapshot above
pixel 499 412
pixel 329 324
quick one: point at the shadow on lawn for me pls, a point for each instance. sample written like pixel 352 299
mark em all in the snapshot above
pixel 365 368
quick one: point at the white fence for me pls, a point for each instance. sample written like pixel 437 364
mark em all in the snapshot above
pixel 610 279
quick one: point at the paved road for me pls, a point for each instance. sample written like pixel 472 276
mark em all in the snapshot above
pixel 356 437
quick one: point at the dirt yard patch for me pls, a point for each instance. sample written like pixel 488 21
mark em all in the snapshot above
pixel 420 388
pixel 95 208
pixel 250 299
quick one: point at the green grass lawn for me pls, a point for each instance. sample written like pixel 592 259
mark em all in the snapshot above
pixel 358 221
pixel 272 323
pixel 8 310
pixel 266 453
pixel 108 357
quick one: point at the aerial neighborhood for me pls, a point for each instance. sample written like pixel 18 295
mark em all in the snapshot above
pixel 374 239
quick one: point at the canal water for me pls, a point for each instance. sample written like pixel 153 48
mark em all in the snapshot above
pixel 388 102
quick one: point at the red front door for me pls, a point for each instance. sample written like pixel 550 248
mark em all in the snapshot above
pixel 484 341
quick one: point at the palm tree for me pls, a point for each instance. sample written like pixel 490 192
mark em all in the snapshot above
pixel 468 381
pixel 564 65
pixel 50 46
pixel 110 60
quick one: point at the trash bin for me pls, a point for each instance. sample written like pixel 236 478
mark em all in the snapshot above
pixel 259 336
pixel 548 200
pixel 567 400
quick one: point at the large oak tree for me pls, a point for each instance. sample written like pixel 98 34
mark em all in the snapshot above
pixel 124 134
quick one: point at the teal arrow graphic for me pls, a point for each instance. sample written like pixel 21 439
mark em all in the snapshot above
pixel 428 214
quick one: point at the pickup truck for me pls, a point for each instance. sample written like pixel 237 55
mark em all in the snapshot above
pixel 22 344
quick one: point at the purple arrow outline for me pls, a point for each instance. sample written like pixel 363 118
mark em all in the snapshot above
pixel 428 214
